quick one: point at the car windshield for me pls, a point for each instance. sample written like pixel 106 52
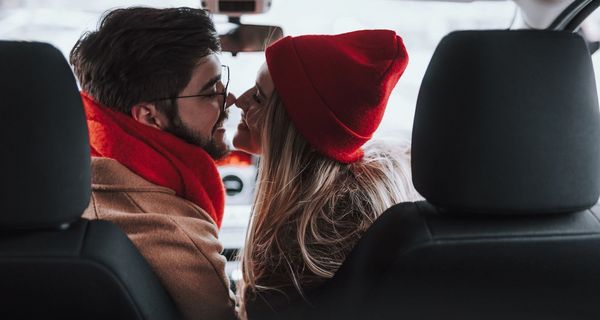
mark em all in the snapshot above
pixel 421 24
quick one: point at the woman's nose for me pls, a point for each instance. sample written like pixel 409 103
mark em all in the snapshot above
pixel 240 103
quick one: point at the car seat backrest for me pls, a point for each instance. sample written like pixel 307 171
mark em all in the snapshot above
pixel 507 122
pixel 44 137
pixel 53 264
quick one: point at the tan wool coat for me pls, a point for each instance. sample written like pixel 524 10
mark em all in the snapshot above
pixel 177 238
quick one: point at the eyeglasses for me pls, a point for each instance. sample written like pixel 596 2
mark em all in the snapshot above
pixel 224 80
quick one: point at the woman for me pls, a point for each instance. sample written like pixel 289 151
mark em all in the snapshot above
pixel 316 101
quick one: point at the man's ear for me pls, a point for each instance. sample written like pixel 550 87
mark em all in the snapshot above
pixel 148 114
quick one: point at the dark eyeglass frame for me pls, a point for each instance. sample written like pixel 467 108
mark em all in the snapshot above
pixel 224 93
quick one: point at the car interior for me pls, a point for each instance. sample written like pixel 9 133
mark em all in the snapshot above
pixel 505 151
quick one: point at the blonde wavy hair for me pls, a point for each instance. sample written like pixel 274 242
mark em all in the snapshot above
pixel 309 211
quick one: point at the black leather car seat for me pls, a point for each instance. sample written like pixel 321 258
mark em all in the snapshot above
pixel 506 152
pixel 53 264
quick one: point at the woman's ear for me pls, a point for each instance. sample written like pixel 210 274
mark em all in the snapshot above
pixel 148 114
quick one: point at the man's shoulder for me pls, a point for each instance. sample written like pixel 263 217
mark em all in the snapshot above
pixel 109 174
pixel 117 191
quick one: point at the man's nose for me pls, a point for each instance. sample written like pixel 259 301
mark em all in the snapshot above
pixel 230 100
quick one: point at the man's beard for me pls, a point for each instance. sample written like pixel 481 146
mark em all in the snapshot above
pixel 216 149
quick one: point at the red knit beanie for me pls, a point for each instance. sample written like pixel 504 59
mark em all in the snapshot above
pixel 335 87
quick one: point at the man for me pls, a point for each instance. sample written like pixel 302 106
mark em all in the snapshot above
pixel 155 96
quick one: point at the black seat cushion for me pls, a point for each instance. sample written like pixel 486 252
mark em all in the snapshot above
pixel 89 271
pixel 416 263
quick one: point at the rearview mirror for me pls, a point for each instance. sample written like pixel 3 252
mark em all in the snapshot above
pixel 249 38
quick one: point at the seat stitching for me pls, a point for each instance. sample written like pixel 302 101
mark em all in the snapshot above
pixel 522 237
pixel 426 221
pixel 594 215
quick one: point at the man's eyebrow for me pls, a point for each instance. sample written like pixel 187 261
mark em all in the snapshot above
pixel 210 83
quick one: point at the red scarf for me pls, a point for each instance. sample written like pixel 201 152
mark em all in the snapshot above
pixel 157 156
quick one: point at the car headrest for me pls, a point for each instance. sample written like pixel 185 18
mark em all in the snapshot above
pixel 44 138
pixel 507 122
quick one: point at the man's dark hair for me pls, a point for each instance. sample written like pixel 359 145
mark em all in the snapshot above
pixel 143 54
